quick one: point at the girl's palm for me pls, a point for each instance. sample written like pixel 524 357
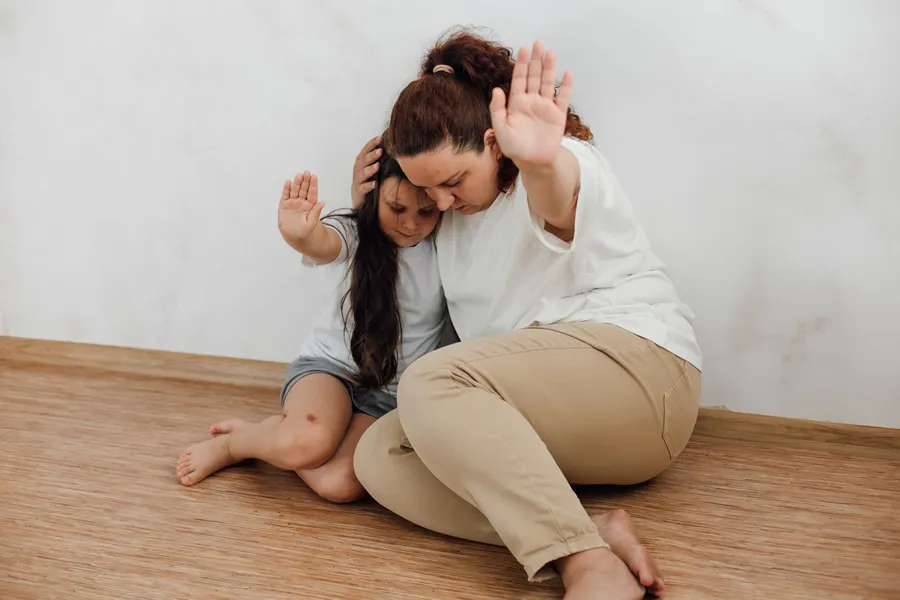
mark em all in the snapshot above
pixel 299 209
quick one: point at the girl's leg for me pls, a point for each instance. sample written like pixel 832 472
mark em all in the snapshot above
pixel 506 422
pixel 316 415
pixel 336 480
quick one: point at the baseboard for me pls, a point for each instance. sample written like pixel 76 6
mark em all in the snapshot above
pixel 143 363
pixel 715 421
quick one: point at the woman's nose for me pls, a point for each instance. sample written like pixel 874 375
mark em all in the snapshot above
pixel 442 198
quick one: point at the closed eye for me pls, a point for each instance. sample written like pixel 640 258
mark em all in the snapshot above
pixel 454 181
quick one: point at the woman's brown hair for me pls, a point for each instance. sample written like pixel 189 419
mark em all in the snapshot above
pixel 442 107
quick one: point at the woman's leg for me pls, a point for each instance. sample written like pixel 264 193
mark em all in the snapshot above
pixel 392 469
pixel 314 421
pixel 507 421
pixel 393 474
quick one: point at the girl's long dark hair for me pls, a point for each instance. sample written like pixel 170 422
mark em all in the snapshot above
pixel 374 310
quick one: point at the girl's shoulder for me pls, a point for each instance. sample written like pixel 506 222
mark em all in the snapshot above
pixel 344 223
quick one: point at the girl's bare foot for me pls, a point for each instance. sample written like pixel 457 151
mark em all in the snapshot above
pixel 226 426
pixel 617 529
pixel 598 575
pixel 202 460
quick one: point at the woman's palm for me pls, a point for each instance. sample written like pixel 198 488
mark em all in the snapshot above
pixel 530 127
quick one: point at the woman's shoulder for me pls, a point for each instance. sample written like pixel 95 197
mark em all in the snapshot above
pixel 597 181
pixel 585 152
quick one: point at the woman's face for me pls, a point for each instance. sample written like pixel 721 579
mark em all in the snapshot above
pixel 465 181
pixel 405 213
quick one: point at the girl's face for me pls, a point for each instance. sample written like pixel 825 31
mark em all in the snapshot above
pixel 406 214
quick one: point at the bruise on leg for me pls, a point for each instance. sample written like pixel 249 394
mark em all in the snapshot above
pixel 317 410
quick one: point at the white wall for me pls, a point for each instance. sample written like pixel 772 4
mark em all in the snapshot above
pixel 143 146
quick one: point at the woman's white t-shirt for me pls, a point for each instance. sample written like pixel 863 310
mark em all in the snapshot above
pixel 501 270
pixel 419 296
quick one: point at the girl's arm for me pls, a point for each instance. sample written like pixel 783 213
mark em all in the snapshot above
pixel 530 129
pixel 298 220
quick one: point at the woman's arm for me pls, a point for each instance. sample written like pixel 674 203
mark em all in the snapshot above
pixel 530 129
pixel 553 192
pixel 298 220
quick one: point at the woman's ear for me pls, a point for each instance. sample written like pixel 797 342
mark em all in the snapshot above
pixel 491 144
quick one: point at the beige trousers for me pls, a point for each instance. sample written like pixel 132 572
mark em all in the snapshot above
pixel 490 433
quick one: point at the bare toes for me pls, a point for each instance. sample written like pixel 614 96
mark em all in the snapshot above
pixel 202 460
pixel 619 532
pixel 226 426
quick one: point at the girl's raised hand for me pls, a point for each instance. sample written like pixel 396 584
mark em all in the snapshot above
pixel 299 209
pixel 365 166
pixel 530 126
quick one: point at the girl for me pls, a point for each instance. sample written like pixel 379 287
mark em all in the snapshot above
pixel 391 312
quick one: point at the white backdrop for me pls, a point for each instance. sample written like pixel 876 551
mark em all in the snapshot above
pixel 143 146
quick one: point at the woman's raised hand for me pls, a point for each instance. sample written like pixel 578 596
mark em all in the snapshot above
pixel 531 124
pixel 365 166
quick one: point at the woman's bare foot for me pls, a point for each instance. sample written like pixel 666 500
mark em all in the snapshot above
pixel 617 529
pixel 598 574
pixel 202 460
pixel 226 426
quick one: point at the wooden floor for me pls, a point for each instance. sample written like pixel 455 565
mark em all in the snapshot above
pixel 90 508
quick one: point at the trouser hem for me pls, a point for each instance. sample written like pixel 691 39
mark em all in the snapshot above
pixel 539 565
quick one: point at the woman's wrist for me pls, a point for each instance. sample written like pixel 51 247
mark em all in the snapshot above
pixel 539 169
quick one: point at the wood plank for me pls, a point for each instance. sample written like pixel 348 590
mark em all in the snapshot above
pixel 756 507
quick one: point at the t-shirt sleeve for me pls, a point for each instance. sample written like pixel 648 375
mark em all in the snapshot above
pixel 596 196
pixel 346 230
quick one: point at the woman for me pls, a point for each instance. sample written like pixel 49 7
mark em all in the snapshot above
pixel 578 363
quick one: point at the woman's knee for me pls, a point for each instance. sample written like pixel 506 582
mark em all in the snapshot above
pixel 424 377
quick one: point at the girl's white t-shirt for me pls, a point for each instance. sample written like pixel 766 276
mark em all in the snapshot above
pixel 501 270
pixel 419 296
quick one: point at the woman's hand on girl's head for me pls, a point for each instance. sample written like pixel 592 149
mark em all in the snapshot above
pixel 365 166
pixel 299 209
pixel 531 124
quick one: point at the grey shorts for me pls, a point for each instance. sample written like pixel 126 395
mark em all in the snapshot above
pixel 375 403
